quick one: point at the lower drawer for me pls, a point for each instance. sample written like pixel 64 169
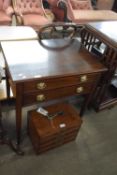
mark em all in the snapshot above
pixel 30 98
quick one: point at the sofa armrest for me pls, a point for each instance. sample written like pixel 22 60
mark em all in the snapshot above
pixel 19 16
pixel 9 11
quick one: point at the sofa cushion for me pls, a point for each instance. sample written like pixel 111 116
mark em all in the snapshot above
pixel 4 19
pixel 35 20
pixel 83 16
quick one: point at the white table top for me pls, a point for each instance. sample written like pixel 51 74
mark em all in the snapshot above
pixel 10 33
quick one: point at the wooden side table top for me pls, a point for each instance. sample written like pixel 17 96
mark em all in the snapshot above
pixel 33 61
pixel 107 30
pixel 8 33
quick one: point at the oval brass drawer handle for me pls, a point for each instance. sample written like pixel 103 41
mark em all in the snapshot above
pixel 79 89
pixel 83 78
pixel 41 85
pixel 40 97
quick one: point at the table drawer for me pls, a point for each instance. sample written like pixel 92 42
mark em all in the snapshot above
pixel 30 98
pixel 39 85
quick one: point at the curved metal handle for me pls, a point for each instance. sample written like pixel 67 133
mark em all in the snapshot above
pixel 70 28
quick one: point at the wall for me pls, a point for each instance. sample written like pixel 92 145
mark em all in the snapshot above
pixel 105 4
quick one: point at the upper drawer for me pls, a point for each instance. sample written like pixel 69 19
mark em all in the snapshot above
pixel 53 83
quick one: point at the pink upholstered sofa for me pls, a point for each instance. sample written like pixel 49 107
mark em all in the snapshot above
pixel 6 12
pixel 31 13
pixel 81 11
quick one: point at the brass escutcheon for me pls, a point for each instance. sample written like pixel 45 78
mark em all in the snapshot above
pixel 41 85
pixel 83 78
pixel 79 89
pixel 40 97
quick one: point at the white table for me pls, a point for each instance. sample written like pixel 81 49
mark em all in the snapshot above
pixel 8 33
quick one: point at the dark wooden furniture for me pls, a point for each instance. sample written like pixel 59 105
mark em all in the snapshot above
pixel 114 8
pixel 48 133
pixel 101 39
pixel 59 68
